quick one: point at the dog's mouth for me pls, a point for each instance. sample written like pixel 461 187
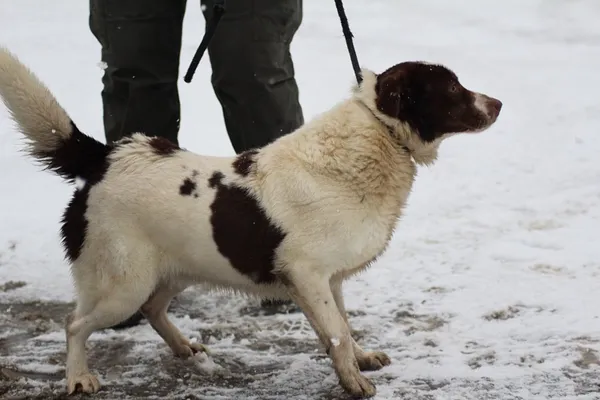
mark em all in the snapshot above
pixel 475 124
pixel 483 122
pixel 482 125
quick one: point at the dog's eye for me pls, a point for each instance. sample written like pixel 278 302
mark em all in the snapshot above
pixel 453 88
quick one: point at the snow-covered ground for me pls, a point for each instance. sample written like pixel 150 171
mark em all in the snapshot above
pixel 491 287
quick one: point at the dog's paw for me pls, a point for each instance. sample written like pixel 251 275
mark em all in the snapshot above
pixel 187 350
pixel 357 385
pixel 198 348
pixel 87 382
pixel 372 361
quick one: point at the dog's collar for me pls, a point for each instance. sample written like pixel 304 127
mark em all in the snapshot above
pixel 389 128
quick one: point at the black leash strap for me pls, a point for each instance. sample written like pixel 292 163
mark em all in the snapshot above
pixel 348 36
pixel 218 11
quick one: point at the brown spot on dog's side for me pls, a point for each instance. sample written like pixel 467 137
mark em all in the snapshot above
pixel 187 187
pixel 243 232
pixel 162 146
pixel 244 161
pixel 216 179
pixel 430 99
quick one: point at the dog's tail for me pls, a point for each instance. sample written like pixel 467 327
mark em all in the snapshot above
pixel 52 138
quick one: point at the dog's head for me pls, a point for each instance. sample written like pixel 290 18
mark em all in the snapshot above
pixel 429 100
pixel 432 101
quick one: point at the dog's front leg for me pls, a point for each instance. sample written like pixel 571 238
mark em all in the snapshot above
pixel 367 360
pixel 313 295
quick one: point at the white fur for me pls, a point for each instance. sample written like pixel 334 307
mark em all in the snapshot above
pixel 481 104
pixel 35 110
pixel 336 187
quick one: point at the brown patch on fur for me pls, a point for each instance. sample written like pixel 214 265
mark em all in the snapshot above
pixel 244 161
pixel 162 146
pixel 74 224
pixel 187 187
pixel 78 157
pixel 243 232
pixel 216 179
pixel 430 99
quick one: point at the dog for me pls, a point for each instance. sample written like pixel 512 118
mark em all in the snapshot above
pixel 291 220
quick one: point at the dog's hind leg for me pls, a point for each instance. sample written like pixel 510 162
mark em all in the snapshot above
pixel 313 294
pixel 155 311
pixel 105 304
pixel 367 360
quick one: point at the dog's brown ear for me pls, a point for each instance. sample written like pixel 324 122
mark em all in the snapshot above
pixel 392 91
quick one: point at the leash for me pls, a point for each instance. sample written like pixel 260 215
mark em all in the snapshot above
pixel 218 11
pixel 348 36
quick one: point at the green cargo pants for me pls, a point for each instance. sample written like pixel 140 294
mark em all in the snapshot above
pixel 252 69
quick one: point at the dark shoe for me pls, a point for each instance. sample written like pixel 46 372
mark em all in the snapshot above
pixel 271 307
pixel 136 318
pixel 132 321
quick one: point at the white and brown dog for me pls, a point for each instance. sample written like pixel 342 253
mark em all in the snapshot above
pixel 290 220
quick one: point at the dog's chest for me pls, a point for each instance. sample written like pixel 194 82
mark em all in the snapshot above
pixel 364 238
pixel 346 237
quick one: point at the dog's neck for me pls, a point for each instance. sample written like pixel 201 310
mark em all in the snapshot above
pixel 421 152
pixel 391 130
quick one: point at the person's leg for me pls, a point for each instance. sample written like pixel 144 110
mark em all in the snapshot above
pixel 253 75
pixel 252 69
pixel 141 42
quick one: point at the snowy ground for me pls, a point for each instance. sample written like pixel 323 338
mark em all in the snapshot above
pixel 490 289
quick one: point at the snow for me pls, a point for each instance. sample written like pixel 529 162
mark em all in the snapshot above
pixel 206 364
pixel 490 287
